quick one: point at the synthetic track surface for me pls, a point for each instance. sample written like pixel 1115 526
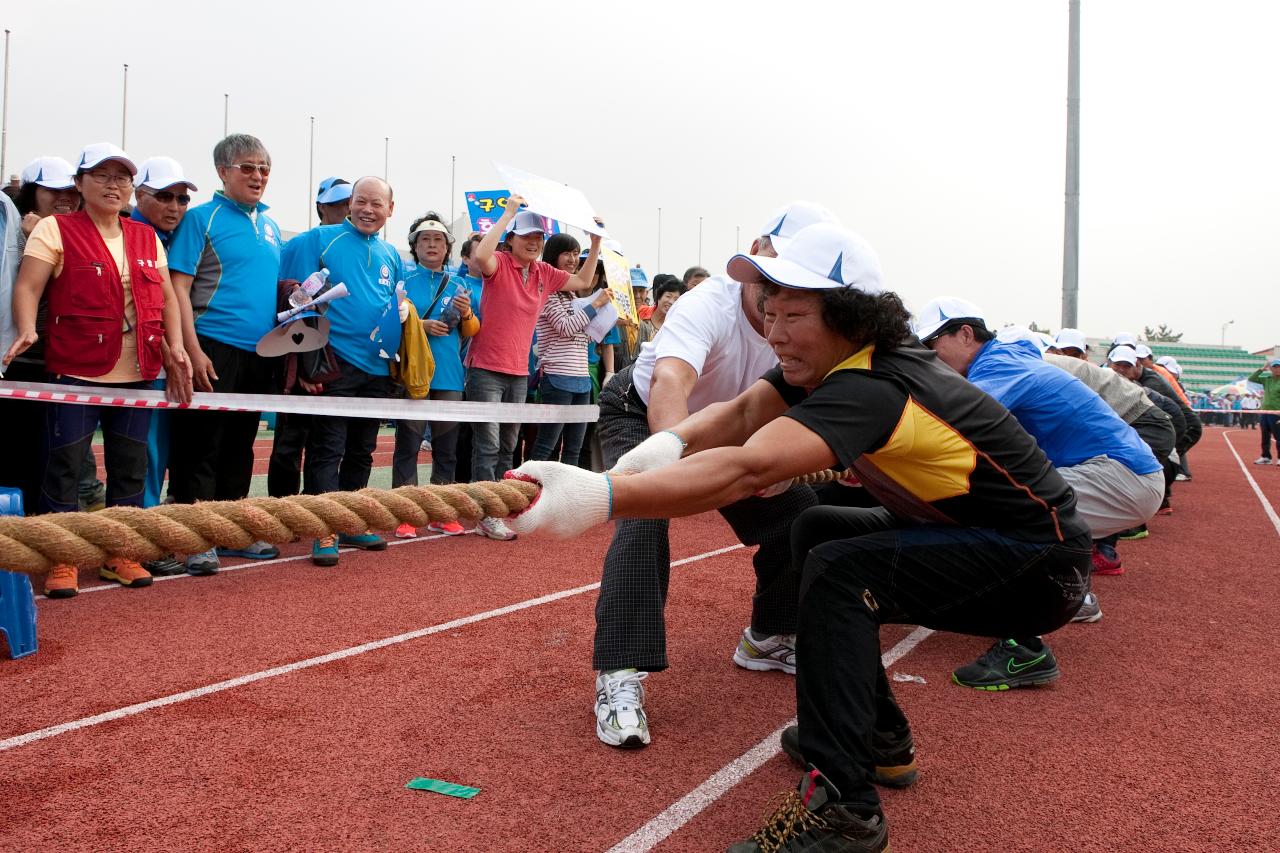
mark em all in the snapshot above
pixel 1160 735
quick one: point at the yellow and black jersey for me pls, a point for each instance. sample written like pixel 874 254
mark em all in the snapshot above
pixel 933 448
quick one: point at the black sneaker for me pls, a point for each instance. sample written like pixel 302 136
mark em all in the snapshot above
pixel 894 754
pixel 813 820
pixel 164 567
pixel 1007 664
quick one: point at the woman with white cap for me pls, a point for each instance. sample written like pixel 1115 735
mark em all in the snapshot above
pixel 113 321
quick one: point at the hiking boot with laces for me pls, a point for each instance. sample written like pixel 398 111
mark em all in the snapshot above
pixel 1008 664
pixel 894 754
pixel 620 719
pixel 765 653
pixel 62 582
pixel 125 572
pixel 813 820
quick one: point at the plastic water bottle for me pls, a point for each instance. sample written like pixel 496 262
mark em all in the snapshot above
pixel 311 288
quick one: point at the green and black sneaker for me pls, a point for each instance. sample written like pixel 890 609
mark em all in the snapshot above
pixel 1009 664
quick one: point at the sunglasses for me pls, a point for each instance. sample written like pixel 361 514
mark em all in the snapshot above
pixel 165 197
pixel 247 169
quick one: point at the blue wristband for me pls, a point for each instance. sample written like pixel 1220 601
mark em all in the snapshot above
pixel 608 482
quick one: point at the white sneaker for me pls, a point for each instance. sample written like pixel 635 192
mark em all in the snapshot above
pixel 765 653
pixel 1277 462
pixel 495 528
pixel 1262 460
pixel 1090 610
pixel 620 719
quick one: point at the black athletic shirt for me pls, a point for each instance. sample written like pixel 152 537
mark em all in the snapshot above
pixel 933 448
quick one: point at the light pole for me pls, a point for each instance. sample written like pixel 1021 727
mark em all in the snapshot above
pixel 699 241
pixel 1071 219
pixel 124 105
pixel 1224 331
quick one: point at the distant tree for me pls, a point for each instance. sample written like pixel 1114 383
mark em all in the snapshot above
pixel 1035 327
pixel 1161 334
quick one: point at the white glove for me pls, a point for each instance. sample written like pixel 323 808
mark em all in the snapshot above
pixel 404 310
pixel 776 489
pixel 572 500
pixel 657 450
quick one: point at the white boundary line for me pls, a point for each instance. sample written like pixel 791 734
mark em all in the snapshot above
pixel 1266 504
pixel 691 804
pixel 173 699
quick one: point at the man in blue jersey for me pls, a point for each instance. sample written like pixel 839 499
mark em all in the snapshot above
pixel 370 267
pixel 225 261
pixel 162 194
pixel 1117 481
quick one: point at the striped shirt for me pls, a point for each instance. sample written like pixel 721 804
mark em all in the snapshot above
pixel 562 337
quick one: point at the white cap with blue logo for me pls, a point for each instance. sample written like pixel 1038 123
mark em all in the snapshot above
pixel 944 310
pixel 792 219
pixel 820 257
pixel 52 173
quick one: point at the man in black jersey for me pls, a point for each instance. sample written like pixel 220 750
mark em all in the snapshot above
pixel 976 532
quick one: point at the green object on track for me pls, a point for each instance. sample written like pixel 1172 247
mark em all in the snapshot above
pixel 449 789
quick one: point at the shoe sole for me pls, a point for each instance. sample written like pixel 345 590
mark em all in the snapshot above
pixel 199 571
pixel 899 776
pixel 447 532
pixel 1118 570
pixel 1088 620
pixel 634 741
pixel 495 538
pixel 61 593
pixel 381 546
pixel 762 664
pixel 324 562
pixel 406 536
pixel 225 552
pixel 1029 681
pixel 133 584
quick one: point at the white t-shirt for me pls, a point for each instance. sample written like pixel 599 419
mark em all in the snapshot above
pixel 706 329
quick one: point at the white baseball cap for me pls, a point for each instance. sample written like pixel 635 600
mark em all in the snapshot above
pixel 1010 334
pixel 1143 351
pixel 528 222
pixel 792 219
pixel 333 190
pixel 1170 364
pixel 943 310
pixel 159 173
pixel 52 173
pixel 820 257
pixel 1123 353
pixel 1071 338
pixel 1124 339
pixel 98 153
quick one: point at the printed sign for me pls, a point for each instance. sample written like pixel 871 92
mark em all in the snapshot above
pixel 485 208
pixel 552 198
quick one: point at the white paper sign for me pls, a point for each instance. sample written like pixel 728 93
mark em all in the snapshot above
pixel 606 318
pixel 551 198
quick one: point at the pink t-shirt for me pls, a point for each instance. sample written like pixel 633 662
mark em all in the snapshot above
pixel 510 305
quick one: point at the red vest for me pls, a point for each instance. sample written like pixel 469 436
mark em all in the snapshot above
pixel 86 301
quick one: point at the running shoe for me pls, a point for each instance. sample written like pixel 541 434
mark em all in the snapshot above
pixel 125 572
pixel 1090 610
pixel 1165 510
pixel 253 551
pixel 202 564
pixel 1106 560
pixel 448 528
pixel 1262 460
pixel 1277 462
pixel 620 719
pixel 406 531
pixel 93 498
pixel 324 551
pixel 765 653
pixel 495 528
pixel 1008 664
pixel 894 754
pixel 62 582
pixel 1182 478
pixel 164 567
pixel 813 820
pixel 363 541
pixel 1140 532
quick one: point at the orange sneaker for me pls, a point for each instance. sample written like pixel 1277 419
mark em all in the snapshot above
pixel 406 531
pixel 125 572
pixel 62 582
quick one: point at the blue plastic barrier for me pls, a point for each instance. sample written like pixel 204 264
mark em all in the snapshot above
pixel 17 600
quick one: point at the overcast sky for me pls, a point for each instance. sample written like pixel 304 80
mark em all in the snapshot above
pixel 934 128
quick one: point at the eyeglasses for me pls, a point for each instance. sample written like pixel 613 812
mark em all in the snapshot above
pixel 107 179
pixel 247 169
pixel 165 197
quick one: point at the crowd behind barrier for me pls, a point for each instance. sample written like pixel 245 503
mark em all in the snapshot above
pixel 116 283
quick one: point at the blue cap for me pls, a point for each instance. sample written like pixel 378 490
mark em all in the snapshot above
pixel 1275 362
pixel 333 190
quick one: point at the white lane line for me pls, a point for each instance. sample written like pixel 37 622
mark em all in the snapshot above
pixel 687 807
pixel 1266 504
pixel 140 707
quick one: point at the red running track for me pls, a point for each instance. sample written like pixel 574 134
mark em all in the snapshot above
pixel 1160 735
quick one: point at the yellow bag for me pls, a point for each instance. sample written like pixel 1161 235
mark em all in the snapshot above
pixel 417 365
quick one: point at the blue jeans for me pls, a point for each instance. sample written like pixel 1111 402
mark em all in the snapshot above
pixel 493 445
pixel 549 434
pixel 157 452
pixel 69 434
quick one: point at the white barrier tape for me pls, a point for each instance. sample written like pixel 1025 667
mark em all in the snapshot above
pixel 352 407
pixel 1237 411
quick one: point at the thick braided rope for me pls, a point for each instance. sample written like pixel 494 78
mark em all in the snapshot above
pixel 36 544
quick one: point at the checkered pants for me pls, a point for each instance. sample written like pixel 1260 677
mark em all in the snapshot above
pixel 630 628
